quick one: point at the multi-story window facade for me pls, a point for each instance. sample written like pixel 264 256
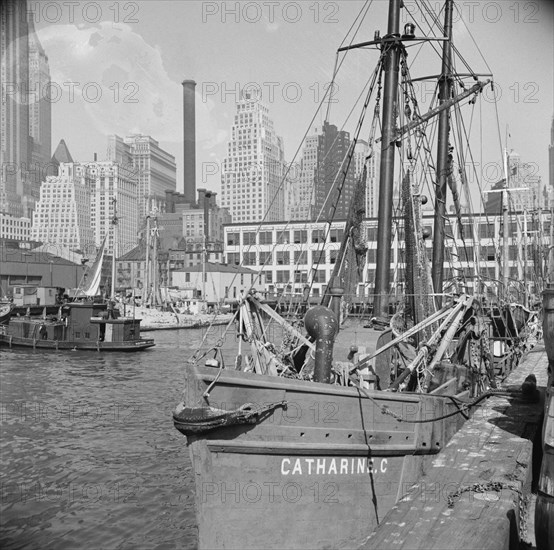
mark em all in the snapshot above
pixel 62 214
pixel 154 168
pixel 301 193
pixel 251 183
pixel 40 112
pixel 292 255
pixel 332 151
pixel 108 181
pixel 367 157
pixel 14 228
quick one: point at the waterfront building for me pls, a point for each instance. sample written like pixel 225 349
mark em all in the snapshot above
pixel 216 284
pixel 14 228
pixel 252 187
pixel 185 244
pixel 293 255
pixel 108 181
pixel 332 151
pixel 35 267
pixel 154 169
pixel 191 217
pixel 62 214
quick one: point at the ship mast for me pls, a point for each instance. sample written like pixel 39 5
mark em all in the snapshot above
pixel 505 223
pixel 146 289
pixel 114 246
pixel 443 160
pixel 386 172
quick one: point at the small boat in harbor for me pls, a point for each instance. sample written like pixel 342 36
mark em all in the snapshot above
pixel 85 325
pixel 89 322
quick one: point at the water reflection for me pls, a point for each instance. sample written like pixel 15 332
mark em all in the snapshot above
pixel 89 453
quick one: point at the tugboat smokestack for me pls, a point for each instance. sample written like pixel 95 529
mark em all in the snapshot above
pixel 322 325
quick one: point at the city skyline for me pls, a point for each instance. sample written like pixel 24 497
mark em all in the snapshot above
pixel 139 60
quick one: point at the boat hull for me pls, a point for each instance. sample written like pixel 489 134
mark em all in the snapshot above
pixel 14 341
pixel 318 469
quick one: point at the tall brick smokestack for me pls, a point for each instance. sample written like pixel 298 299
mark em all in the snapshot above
pixel 189 139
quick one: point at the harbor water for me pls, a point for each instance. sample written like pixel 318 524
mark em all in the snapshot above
pixel 89 454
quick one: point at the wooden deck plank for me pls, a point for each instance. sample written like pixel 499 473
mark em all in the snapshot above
pixel 491 453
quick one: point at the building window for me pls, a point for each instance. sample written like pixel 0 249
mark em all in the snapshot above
pixel 318 236
pixel 265 258
pixel 283 237
pixel 283 257
pixel 300 257
pixel 336 235
pixel 233 258
pixel 248 238
pixel 233 239
pixel 300 236
pixel 249 258
pixel 266 237
pixel 319 276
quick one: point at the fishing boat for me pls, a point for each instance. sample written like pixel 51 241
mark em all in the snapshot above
pixel 87 323
pixel 310 441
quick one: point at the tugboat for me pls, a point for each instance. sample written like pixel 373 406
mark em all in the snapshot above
pixel 78 326
pixel 87 323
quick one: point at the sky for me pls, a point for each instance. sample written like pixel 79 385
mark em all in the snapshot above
pixel 117 68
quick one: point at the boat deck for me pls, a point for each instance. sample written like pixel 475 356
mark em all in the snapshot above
pixel 478 491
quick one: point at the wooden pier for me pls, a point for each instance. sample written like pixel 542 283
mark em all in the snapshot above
pixel 477 493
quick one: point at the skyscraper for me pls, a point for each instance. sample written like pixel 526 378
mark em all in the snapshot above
pixel 25 112
pixel 369 158
pixel 332 150
pixel 40 112
pixel 14 111
pixel 302 185
pixel 153 168
pixel 62 214
pixel 253 170
pixel 108 181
